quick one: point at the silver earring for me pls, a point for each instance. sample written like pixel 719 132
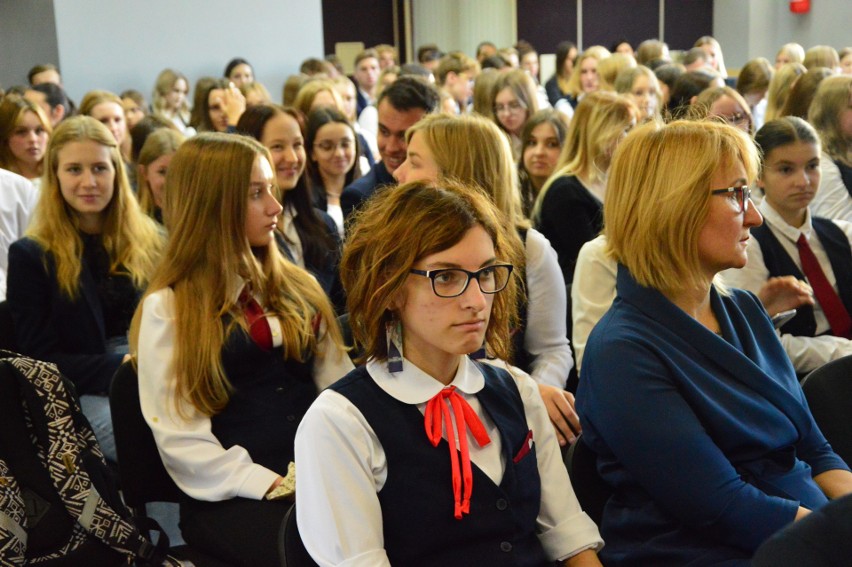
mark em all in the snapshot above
pixel 393 332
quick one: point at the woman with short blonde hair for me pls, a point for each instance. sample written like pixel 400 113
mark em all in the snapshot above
pixel 578 84
pixel 693 366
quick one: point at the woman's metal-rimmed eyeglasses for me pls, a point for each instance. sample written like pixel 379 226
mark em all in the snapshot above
pixel 742 194
pixel 452 282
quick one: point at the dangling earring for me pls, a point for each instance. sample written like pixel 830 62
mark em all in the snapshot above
pixel 478 354
pixel 393 332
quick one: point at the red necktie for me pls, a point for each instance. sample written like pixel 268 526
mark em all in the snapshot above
pixel 832 306
pixel 259 329
pixel 466 418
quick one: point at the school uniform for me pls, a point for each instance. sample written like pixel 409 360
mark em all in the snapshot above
pixel 772 252
pixel 225 464
pixel 373 490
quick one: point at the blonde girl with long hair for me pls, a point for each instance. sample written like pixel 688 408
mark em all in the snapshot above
pixel 569 208
pixel 151 168
pixel 77 275
pixel 233 342
pixel 472 150
pixel 584 78
pixel 830 114
pixel 170 100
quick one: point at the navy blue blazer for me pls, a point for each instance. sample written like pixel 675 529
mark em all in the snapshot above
pixel 49 326
pixel 707 440
pixel 363 188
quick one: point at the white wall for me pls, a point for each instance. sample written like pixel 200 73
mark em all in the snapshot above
pixel 758 28
pixel 461 26
pixel 117 45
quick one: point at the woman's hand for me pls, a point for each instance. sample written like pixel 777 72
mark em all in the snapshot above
pixel 560 409
pixel 235 104
pixel 784 293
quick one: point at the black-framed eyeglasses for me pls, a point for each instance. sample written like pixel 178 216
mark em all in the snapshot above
pixel 452 282
pixel 741 194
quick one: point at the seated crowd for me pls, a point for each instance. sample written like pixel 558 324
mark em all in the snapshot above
pixel 637 228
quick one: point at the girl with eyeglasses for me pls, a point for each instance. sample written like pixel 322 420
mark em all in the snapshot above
pixel 686 394
pixel 429 280
pixel 791 235
pixel 514 101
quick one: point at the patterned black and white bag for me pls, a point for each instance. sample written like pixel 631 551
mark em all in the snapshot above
pixel 58 503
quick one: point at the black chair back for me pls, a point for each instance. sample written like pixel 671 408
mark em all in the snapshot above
pixel 591 490
pixel 293 550
pixel 7 328
pixel 828 390
pixel 142 474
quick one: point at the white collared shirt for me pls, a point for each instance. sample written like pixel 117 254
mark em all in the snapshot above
pixel 806 353
pixel 342 467
pixel 192 455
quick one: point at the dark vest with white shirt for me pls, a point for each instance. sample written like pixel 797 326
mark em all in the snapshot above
pixel 269 398
pixel 417 497
pixel 779 263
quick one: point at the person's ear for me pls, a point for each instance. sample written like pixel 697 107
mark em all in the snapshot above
pixel 57 113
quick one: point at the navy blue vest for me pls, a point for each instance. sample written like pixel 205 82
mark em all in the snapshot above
pixel 845 174
pixel 270 396
pixel 779 263
pixel 417 498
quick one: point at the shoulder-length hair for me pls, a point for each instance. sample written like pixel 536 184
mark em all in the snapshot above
pixel 705 100
pixel 803 91
pixel 521 85
pixel 318 118
pixel 313 234
pixel 12 109
pixel 821 56
pixel 309 91
pixel 832 98
pixel 779 88
pixel 400 226
pixel 208 253
pixel 625 79
pixel 472 150
pixel 200 118
pixel 161 142
pixel 131 239
pixel 658 197
pixel 599 121
pixel 596 52
pixel 558 121
pixel 166 81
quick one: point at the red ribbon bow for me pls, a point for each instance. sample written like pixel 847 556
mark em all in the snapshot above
pixel 436 412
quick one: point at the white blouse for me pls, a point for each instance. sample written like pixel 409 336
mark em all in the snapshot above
pixel 192 455
pixel 342 468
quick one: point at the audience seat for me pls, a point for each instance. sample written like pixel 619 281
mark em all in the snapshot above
pixel 143 477
pixel 7 328
pixel 591 490
pixel 293 550
pixel 828 390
